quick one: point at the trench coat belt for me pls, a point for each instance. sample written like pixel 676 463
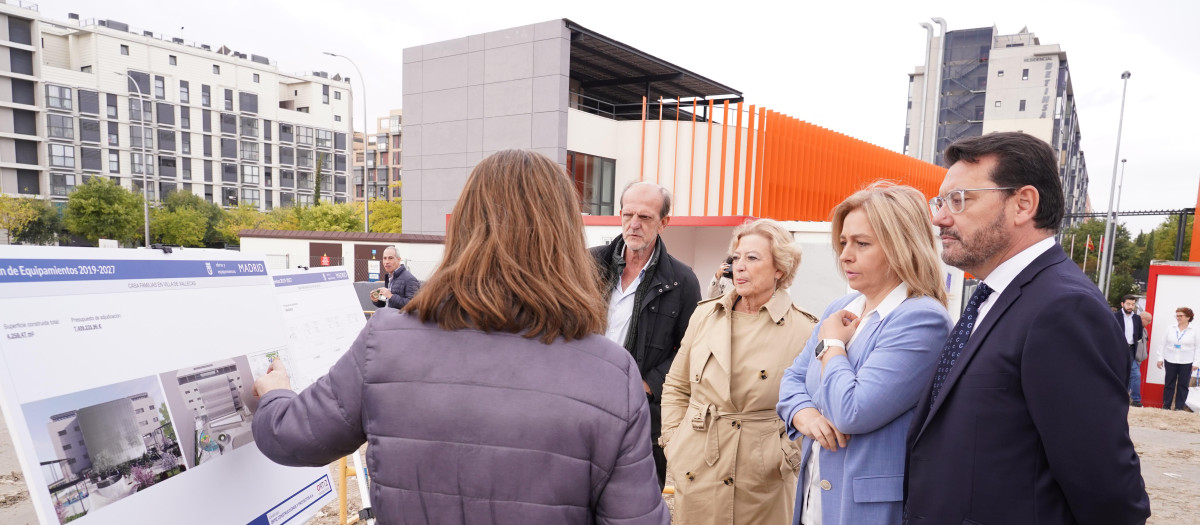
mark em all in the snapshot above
pixel 707 415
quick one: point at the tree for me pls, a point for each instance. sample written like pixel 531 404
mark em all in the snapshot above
pixel 15 214
pixel 1166 234
pixel 243 217
pixel 385 216
pixel 284 218
pixel 331 217
pixel 317 179
pixel 1126 256
pixel 182 227
pixel 164 417
pixel 101 209
pixel 212 213
pixel 45 227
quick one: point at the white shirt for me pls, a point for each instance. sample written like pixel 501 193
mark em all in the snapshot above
pixel 1128 326
pixel 1008 270
pixel 620 308
pixel 810 512
pixel 1179 346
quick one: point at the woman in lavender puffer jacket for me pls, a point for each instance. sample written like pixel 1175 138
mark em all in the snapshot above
pixel 492 397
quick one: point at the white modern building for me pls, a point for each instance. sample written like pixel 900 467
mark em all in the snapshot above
pixel 95 97
pixel 982 82
pixel 136 415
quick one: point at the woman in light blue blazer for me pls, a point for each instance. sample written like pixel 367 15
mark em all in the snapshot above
pixel 850 394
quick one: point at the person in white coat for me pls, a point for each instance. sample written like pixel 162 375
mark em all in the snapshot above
pixel 1177 355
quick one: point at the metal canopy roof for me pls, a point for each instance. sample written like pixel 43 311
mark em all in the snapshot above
pixel 619 74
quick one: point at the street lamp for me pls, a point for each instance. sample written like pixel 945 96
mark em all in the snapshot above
pixel 141 132
pixel 363 83
pixel 1110 228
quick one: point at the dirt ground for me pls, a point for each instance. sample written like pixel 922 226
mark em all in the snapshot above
pixel 1168 443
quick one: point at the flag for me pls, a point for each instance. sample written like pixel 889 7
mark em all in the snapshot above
pixel 1089 243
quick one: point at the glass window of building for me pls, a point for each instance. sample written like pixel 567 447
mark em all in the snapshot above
pixel 61 126
pixel 249 127
pixel 62 155
pixel 249 174
pixel 594 181
pixel 249 151
pixel 58 97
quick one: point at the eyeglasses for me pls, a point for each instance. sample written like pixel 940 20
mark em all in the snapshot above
pixel 957 200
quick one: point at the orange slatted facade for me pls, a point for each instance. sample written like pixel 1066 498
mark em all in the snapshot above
pixel 784 168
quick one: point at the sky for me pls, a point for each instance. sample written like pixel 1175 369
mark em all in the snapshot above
pixel 840 65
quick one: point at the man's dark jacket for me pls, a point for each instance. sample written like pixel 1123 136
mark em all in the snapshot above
pixel 1137 329
pixel 663 304
pixel 403 285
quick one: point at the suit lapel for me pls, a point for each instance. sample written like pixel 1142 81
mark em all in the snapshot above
pixel 1011 293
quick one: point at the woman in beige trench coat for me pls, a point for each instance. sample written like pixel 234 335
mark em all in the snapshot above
pixel 726 449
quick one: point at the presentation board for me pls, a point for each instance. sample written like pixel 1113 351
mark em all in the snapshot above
pixel 126 378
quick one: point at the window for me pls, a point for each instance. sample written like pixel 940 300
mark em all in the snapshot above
pixel 228 100
pixel 160 87
pixel 185 117
pixel 228 123
pixel 172 60
pixel 255 78
pixel 216 69
pixel 67 446
pixel 997 103
pixel 89 130
pixel 58 97
pixel 285 132
pixel 62 184
pixel 114 162
pixel 1000 73
pixel 1024 74
pixel 249 174
pixel 62 432
pixel 185 143
pixel 249 127
pixel 337 95
pixel 250 197
pixel 324 138
pixel 140 137
pixel 304 136
pixel 305 181
pixel 139 166
pixel 85 69
pixel 139 110
pixel 249 151
pixel 112 105
pixel 124 50
pixel 1022 108
pixel 324 94
pixel 205 98
pixel 184 96
pixel 62 155
pixel 113 137
pixel 305 158
pixel 61 126
pixel 337 118
pixel 594 179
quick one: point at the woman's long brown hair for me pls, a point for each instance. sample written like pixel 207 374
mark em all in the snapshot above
pixel 515 258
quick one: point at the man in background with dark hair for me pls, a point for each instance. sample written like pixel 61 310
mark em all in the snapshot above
pixel 651 295
pixel 1131 326
pixel 1025 418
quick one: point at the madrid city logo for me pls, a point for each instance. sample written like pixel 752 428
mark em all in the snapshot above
pixel 208 266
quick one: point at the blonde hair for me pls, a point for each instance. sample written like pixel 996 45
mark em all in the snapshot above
pixel 900 217
pixel 784 250
pixel 514 250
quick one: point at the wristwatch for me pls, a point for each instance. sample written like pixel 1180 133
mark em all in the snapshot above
pixel 826 344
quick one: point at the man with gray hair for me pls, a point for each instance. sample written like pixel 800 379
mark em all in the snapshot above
pixel 399 285
pixel 651 295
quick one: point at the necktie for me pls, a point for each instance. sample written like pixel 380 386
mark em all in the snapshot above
pixel 958 338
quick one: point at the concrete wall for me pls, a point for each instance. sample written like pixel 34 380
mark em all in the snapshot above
pixel 469 97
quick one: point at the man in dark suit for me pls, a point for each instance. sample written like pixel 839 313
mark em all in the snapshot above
pixel 1131 326
pixel 1025 419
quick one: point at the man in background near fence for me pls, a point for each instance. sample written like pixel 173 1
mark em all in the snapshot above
pixel 1131 326
pixel 399 285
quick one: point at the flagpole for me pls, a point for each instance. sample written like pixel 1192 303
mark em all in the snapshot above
pixel 1072 246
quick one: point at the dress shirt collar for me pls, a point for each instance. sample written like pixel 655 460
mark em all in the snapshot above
pixel 889 303
pixel 1008 270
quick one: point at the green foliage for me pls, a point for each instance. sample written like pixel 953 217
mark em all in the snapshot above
pixel 101 209
pixel 182 227
pixel 45 227
pixel 331 217
pixel 212 213
pixel 385 216
pixel 15 214
pixel 318 177
pixel 243 217
pixel 1165 235
pixel 165 417
pixel 284 218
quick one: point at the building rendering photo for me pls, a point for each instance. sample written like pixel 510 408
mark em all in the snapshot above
pixel 214 403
